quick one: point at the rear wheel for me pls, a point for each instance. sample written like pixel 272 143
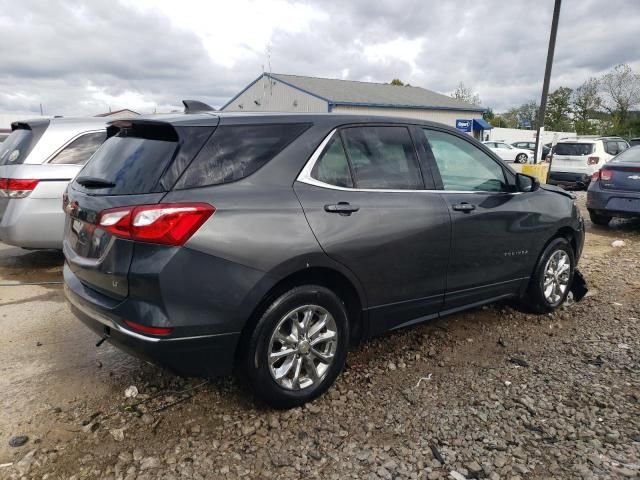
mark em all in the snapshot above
pixel 298 347
pixel 521 158
pixel 552 277
pixel 598 219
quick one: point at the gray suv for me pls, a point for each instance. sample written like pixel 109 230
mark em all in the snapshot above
pixel 270 243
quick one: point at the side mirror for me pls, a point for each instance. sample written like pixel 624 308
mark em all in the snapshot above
pixel 526 183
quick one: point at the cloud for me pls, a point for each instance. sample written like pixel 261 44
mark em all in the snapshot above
pixel 86 57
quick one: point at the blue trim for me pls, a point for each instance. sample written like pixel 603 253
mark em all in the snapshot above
pixel 241 92
pixel 420 107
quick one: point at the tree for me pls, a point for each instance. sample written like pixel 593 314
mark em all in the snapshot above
pixel 466 94
pixel 397 82
pixel 523 116
pixel 558 112
pixel 621 89
pixel 586 101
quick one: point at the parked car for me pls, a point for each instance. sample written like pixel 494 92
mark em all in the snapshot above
pixel 531 146
pixel 634 141
pixel 272 242
pixel 508 153
pixel 615 188
pixel 36 163
pixel 575 160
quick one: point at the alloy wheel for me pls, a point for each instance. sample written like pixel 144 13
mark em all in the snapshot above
pixel 302 347
pixel 557 272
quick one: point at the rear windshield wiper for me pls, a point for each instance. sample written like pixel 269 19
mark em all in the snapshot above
pixel 94 182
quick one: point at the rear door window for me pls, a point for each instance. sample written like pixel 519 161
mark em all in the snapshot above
pixel 236 151
pixel 333 167
pixel 382 158
pixel 574 149
pixel 14 150
pixel 80 149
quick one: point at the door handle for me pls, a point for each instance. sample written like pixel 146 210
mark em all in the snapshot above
pixel 464 207
pixel 343 208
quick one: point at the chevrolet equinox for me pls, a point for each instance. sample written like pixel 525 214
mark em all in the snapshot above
pixel 269 243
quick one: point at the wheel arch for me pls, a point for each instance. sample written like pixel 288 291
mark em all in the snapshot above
pixel 324 276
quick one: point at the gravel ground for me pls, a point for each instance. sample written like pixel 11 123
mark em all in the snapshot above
pixel 491 393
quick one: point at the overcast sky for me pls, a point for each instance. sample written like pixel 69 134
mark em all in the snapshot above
pixel 86 57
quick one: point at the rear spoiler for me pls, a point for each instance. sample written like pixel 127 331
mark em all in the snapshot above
pixel 35 124
pixel 150 129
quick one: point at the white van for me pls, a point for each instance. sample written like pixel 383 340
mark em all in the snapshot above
pixel 574 160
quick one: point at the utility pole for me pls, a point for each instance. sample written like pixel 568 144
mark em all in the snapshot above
pixel 547 78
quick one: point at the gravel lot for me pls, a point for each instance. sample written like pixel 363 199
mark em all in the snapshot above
pixel 491 393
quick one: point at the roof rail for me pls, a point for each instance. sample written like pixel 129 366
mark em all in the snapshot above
pixel 195 106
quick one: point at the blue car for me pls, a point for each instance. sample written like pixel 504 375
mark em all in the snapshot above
pixel 615 188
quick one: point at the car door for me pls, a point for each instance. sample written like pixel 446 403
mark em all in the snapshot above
pixel 492 241
pixel 506 152
pixel 373 209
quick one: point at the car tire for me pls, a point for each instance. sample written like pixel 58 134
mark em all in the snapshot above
pixel 521 158
pixel 539 297
pixel 287 380
pixel 598 219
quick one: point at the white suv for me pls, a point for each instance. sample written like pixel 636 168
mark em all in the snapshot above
pixel 574 160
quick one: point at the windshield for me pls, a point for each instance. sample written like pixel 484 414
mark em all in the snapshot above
pixel 573 149
pixel 631 155
pixel 14 150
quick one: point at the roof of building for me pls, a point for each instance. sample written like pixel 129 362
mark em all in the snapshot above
pixel 369 94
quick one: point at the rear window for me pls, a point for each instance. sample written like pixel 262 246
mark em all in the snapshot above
pixel 132 164
pixel 80 149
pixel 15 148
pixel 235 152
pixel 573 148
pixel 631 155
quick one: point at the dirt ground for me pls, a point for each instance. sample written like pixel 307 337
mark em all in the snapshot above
pixel 490 393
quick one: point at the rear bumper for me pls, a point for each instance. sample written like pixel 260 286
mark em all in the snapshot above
pixel 32 222
pixel 613 203
pixel 204 355
pixel 569 179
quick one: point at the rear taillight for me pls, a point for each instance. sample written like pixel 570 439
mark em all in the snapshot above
pixel 16 187
pixel 593 160
pixel 606 175
pixel 164 223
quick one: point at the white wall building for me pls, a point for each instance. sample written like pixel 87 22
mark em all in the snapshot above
pixel 510 135
pixel 272 92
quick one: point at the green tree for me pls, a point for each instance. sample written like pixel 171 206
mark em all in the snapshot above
pixel 466 94
pixel 558 114
pixel 621 91
pixel 397 82
pixel 586 102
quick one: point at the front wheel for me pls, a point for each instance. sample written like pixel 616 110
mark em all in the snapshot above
pixel 521 158
pixel 598 219
pixel 552 277
pixel 298 347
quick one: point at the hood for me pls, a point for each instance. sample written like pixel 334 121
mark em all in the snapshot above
pixel 554 188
